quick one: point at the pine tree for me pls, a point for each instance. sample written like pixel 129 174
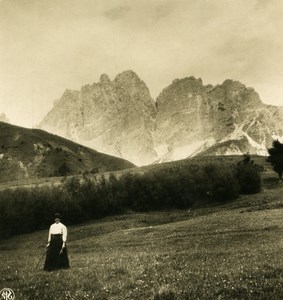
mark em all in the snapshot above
pixel 276 158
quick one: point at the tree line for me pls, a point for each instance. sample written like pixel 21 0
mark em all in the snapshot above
pixel 79 199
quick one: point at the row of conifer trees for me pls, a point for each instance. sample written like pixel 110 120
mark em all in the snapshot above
pixel 83 198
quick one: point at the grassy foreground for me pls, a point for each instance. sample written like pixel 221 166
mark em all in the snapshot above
pixel 232 251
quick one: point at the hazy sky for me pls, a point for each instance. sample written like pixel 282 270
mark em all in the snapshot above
pixel 47 46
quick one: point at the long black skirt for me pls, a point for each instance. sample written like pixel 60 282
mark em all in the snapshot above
pixel 55 258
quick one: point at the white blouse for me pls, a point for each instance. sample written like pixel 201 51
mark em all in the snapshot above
pixel 58 228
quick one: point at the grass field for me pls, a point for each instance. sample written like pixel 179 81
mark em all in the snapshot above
pixel 232 251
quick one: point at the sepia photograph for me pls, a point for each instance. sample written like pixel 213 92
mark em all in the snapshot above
pixel 141 149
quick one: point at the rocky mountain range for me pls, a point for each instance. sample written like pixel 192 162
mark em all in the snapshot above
pixel 3 118
pixel 188 118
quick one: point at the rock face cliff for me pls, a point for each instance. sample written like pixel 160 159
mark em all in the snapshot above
pixel 3 118
pixel 115 117
pixel 217 120
pixel 120 118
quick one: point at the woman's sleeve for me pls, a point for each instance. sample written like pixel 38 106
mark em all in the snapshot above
pixel 49 235
pixel 64 234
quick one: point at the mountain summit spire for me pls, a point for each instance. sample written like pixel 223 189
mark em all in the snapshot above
pixel 120 118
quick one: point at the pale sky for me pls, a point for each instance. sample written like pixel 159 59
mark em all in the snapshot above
pixel 47 46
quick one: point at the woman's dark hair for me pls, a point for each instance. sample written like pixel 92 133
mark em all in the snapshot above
pixel 57 215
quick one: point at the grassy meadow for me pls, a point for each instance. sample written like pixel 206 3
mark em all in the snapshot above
pixel 229 251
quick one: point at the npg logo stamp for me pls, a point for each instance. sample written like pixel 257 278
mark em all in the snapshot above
pixel 7 294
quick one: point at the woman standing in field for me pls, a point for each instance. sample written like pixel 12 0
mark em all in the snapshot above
pixel 57 256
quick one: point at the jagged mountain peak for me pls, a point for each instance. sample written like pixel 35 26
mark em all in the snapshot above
pixel 127 74
pixel 120 118
pixel 233 84
pixel 69 92
pixel 180 90
pixel 115 117
pixel 104 79
pixel 235 94
pixel 192 83
pixel 187 79
pixel 69 96
pixel 129 77
pixel 3 118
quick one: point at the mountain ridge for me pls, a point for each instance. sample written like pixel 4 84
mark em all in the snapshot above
pixel 120 117
pixel 33 153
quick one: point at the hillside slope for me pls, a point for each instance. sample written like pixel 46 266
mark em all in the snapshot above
pixel 34 153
